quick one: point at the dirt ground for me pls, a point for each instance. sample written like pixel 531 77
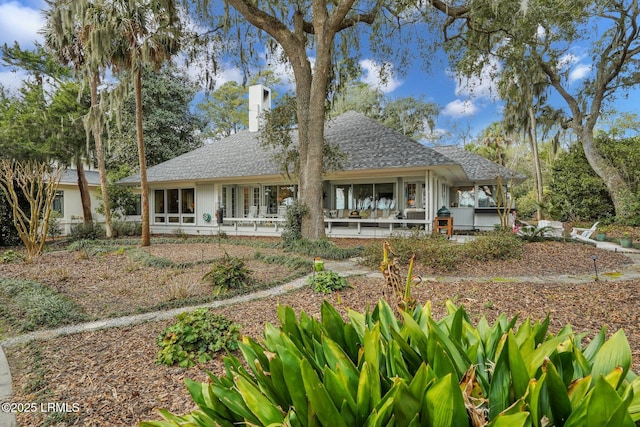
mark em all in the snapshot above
pixel 111 374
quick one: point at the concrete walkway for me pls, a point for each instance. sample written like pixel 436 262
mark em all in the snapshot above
pixel 344 268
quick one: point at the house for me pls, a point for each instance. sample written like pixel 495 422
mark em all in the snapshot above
pixel 67 201
pixel 388 182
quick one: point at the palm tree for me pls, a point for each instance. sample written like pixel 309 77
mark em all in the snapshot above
pixel 68 39
pixel 148 34
pixel 126 35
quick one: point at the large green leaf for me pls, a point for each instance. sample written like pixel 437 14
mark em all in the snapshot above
pixel 499 388
pixel 293 380
pixel 319 398
pixel 369 394
pixel 519 376
pixel 514 420
pixel 449 411
pixel 613 353
pixel 263 408
pixel 558 398
pixel 634 404
pixel 407 405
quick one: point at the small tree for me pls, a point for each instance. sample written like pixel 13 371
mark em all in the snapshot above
pixel 37 183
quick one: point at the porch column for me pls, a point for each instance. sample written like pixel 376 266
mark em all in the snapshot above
pixel 428 182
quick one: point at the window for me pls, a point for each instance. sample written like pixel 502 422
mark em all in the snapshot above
pixel 158 206
pixel 174 206
pixel 466 197
pixel 58 202
pixel 411 195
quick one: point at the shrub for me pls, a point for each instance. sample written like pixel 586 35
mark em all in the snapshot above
pixel 195 337
pixel 228 273
pixel 89 231
pixel 327 281
pixel 499 245
pixel 378 370
pixel 322 248
pixel 126 228
pixel 31 305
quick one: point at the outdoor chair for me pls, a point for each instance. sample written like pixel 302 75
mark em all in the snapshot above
pixel 583 233
pixel 263 211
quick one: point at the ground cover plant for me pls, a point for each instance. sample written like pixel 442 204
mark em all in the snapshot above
pixel 195 337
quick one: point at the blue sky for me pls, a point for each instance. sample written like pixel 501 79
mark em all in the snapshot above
pixel 467 106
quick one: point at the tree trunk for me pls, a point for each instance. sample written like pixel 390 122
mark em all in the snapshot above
pixel 533 142
pixel 144 190
pixel 97 137
pixel 85 197
pixel 619 190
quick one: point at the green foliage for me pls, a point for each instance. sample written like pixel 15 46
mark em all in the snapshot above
pixel 228 272
pixel 126 228
pixel 327 281
pixel 531 233
pixel 89 231
pixel 441 255
pixel 168 123
pixel 379 370
pixel 286 261
pixel 292 228
pixel 55 229
pixel 498 245
pixel 576 192
pixel 30 305
pixel 322 248
pixel 148 260
pixel 122 200
pixel 195 338
pixel 11 256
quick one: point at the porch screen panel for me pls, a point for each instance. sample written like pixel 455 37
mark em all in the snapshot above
pixel 173 205
pixel 187 201
pixel 363 194
pixel 385 197
pixel 158 205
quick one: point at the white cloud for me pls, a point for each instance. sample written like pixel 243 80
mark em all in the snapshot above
pixel 20 23
pixel 479 86
pixel 459 108
pixel 372 76
pixel 567 60
pixel 579 72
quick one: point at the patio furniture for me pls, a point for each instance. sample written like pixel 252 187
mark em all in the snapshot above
pixel 584 233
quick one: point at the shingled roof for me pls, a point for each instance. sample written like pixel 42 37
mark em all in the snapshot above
pixel 368 144
pixel 476 167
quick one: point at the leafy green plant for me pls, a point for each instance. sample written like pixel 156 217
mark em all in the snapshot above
pixel 126 228
pixel 228 272
pixel 378 370
pixel 292 228
pixel 55 228
pixel 326 282
pixel 90 231
pixel 31 305
pixel 322 248
pixel 11 256
pixel 195 338
pixel 287 261
pixel 531 233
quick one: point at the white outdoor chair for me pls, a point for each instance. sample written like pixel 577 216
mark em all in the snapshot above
pixel 583 233
pixel 263 211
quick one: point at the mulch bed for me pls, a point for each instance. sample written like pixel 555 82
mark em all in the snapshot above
pixel 111 374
